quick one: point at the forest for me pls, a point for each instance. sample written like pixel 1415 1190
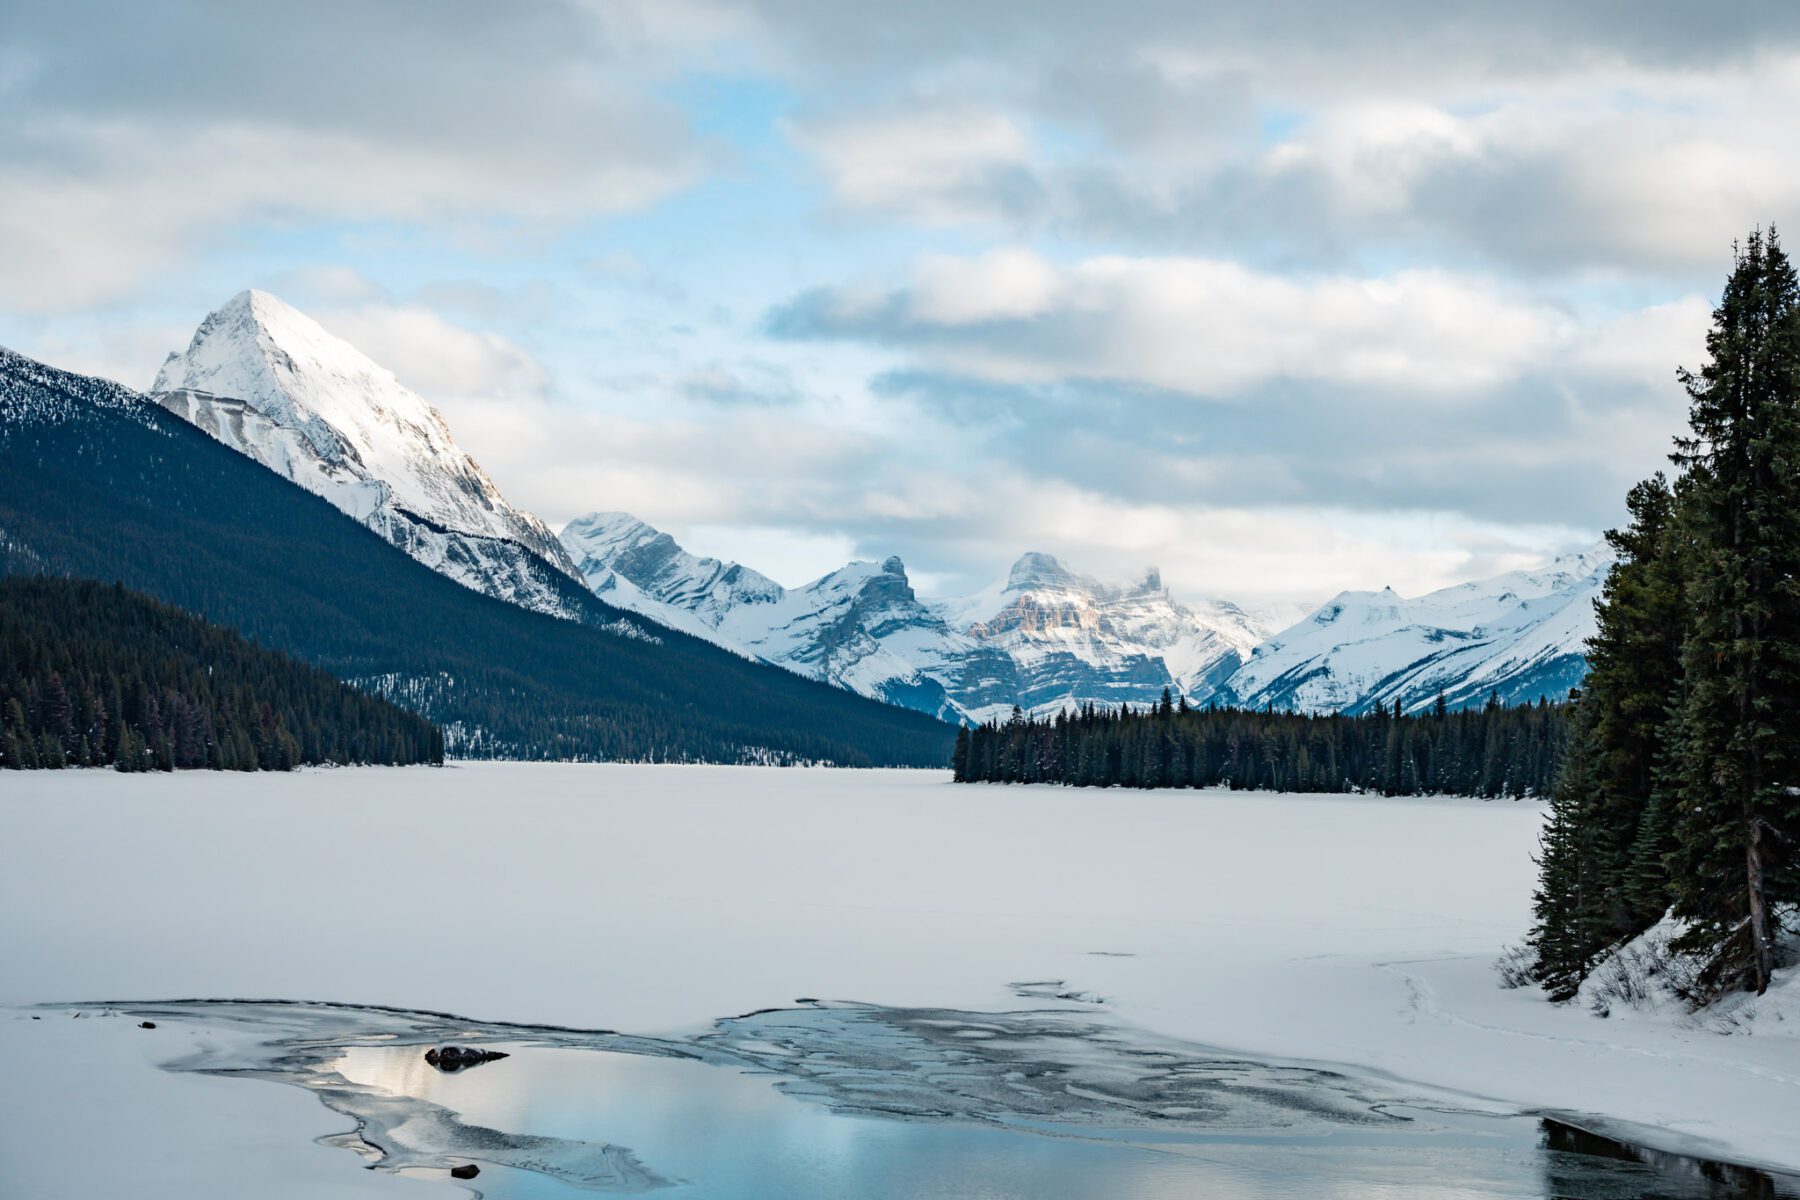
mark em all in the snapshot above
pixel 94 675
pixel 1490 751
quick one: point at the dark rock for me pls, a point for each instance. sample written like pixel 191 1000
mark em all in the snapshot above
pixel 467 1170
pixel 455 1058
pixel 146 1024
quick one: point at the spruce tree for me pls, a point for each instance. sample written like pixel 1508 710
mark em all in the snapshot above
pixel 1591 889
pixel 1737 832
pixel 1564 938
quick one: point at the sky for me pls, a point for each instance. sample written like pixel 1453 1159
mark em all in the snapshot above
pixel 1283 298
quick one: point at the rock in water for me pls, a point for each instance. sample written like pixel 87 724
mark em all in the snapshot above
pixel 455 1058
pixel 467 1170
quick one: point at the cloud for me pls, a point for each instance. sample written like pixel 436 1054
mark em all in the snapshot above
pixel 441 360
pixel 1288 296
pixel 936 167
pixel 136 133
pixel 1605 150
pixel 1203 327
pixel 1319 43
pixel 749 382
pixel 1194 382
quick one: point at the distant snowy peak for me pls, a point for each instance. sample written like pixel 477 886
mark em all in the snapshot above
pixel 654 562
pixel 859 627
pixel 1519 635
pixel 269 381
pixel 1047 637
pixel 1075 638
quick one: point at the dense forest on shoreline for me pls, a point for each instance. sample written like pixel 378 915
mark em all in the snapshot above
pixel 95 675
pixel 1490 751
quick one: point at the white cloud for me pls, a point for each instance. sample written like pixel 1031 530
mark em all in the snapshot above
pixel 937 166
pixel 1012 284
pixel 120 165
pixel 1200 326
pixel 1604 165
pixel 437 358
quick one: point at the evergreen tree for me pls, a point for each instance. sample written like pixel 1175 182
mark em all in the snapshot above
pixel 1592 891
pixel 1566 937
pixel 1737 830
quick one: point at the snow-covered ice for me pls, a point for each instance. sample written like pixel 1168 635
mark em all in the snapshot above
pixel 655 900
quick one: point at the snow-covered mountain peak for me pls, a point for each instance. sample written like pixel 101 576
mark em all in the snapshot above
pixel 607 533
pixel 1038 570
pixel 605 545
pixel 261 350
pixel 1521 634
pixel 271 382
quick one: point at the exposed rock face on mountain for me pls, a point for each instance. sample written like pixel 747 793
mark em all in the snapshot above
pixel 1072 639
pixel 633 566
pixel 860 627
pixel 1519 636
pixel 269 382
pixel 1044 639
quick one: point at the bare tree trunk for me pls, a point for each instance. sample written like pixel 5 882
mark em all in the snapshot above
pixel 1762 942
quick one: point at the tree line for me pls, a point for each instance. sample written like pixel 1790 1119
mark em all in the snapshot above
pixel 1490 751
pixel 96 675
pixel 1680 794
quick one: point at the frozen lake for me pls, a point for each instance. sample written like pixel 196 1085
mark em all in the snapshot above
pixel 658 902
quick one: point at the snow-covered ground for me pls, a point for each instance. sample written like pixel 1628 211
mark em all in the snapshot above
pixel 1354 930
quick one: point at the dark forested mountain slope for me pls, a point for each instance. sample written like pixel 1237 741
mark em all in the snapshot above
pixel 97 482
pixel 93 674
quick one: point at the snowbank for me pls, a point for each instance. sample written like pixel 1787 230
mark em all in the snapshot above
pixel 1354 930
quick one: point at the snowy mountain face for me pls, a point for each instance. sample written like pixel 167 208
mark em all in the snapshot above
pixel 1521 635
pixel 1044 639
pixel 1047 637
pixel 1073 639
pixel 268 381
pixel 631 565
pixel 860 627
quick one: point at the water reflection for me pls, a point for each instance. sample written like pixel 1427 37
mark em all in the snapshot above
pixel 865 1102
pixel 705 1130
pixel 1570 1154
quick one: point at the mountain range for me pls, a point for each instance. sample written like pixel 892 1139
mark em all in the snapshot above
pixel 271 384
pixel 1047 637
pixel 100 482
pixel 1516 636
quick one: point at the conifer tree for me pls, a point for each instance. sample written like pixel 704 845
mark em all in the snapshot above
pixel 1592 891
pixel 1737 831
pixel 1564 938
